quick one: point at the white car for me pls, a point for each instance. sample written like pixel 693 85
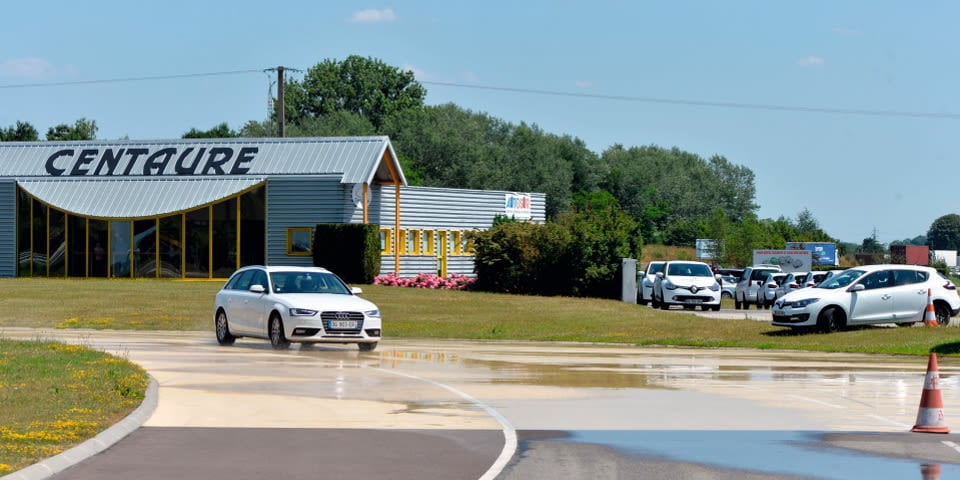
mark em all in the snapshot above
pixel 749 287
pixel 768 289
pixel 793 281
pixel 686 283
pixel 869 295
pixel 294 304
pixel 645 288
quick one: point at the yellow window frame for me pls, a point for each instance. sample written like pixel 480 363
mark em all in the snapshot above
pixel 386 241
pixel 293 235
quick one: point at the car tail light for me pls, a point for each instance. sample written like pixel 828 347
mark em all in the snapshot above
pixel 794 285
pixel 949 286
pixel 772 285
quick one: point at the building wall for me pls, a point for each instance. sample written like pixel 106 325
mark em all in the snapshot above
pixel 300 201
pixel 8 228
pixel 438 210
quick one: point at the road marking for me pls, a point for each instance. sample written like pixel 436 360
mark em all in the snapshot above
pixel 813 400
pixel 891 422
pixel 952 445
pixel 509 433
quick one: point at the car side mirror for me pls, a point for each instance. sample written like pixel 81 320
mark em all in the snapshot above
pixel 659 274
pixel 856 288
pixel 257 288
pixel 356 290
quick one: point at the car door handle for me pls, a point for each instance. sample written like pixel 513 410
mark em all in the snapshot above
pixel 886 296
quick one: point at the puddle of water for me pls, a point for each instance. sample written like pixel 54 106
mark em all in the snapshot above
pixel 778 452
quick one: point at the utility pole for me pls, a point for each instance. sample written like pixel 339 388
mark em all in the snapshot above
pixel 281 120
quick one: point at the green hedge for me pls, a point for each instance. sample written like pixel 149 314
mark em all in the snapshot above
pixel 352 251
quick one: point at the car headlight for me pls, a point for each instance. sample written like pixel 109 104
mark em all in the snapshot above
pixel 302 312
pixel 372 313
pixel 715 287
pixel 805 302
pixel 669 285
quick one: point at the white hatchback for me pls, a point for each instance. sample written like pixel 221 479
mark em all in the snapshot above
pixel 686 283
pixel 645 288
pixel 869 295
pixel 294 304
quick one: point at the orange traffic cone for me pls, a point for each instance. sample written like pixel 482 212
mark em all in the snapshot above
pixel 930 471
pixel 930 315
pixel 930 414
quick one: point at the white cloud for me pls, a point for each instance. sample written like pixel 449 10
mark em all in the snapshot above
pixel 372 15
pixel 32 68
pixel 810 61
pixel 418 73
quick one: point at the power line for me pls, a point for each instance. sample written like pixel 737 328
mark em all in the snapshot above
pixel 707 103
pixel 623 98
pixel 129 79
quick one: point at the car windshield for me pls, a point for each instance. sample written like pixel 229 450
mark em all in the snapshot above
pixel 653 268
pixel 689 270
pixel 307 282
pixel 841 280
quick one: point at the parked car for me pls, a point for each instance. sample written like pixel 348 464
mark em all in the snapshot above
pixel 814 278
pixel 645 288
pixel 686 283
pixel 749 285
pixel 821 276
pixel 793 281
pixel 294 304
pixel 869 295
pixel 769 289
pixel 728 286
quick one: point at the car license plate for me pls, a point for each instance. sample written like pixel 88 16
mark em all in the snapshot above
pixel 343 324
pixel 777 312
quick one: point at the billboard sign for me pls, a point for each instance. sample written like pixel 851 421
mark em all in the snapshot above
pixel 707 249
pixel 788 260
pixel 823 253
pixel 517 205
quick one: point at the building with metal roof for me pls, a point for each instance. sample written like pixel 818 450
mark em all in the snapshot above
pixel 201 208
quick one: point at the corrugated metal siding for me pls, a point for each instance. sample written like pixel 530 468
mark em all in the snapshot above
pixel 134 197
pixel 428 207
pixel 8 228
pixel 356 159
pixel 300 202
pixel 435 209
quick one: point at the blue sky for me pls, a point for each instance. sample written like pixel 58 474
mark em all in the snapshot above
pixel 670 63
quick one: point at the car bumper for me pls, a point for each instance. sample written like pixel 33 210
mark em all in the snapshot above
pixel 790 318
pixel 685 297
pixel 317 330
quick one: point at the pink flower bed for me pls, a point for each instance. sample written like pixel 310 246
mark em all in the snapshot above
pixel 454 281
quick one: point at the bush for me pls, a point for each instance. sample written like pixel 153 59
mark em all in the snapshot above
pixel 580 254
pixel 352 251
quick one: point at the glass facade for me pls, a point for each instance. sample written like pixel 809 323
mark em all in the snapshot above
pixel 210 241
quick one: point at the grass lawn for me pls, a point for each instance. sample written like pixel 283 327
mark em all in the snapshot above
pixel 55 396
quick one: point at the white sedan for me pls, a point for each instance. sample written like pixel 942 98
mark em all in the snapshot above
pixel 686 283
pixel 869 294
pixel 294 304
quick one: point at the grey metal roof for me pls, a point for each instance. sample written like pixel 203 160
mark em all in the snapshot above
pixel 132 197
pixel 357 159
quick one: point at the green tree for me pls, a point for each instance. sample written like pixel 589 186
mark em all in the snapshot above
pixel 944 233
pixel 452 147
pixel 82 129
pixel 335 124
pixel 20 132
pixel 219 131
pixel 365 86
